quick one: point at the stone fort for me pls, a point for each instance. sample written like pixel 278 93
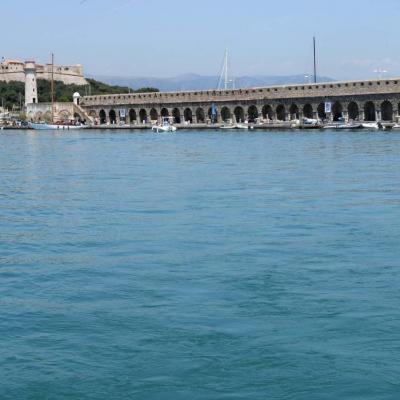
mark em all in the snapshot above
pixel 14 70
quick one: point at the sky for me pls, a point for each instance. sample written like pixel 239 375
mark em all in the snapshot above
pixel 167 38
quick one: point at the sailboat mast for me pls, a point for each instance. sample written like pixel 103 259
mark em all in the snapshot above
pixel 226 69
pixel 52 87
pixel 315 60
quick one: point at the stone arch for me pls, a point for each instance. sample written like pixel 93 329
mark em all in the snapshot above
pixel 321 111
pixel 239 114
pixel 47 116
pixel 337 111
pixel 353 111
pixel 103 117
pixel 387 111
pixel 132 116
pixel 252 112
pixel 294 111
pixel 64 115
pixel 143 116
pixel 281 113
pixel 92 113
pixel 188 115
pixel 164 112
pixel 268 112
pixel 113 117
pixel 369 111
pixel 200 116
pixel 177 115
pixel 308 111
pixel 153 114
pixel 226 114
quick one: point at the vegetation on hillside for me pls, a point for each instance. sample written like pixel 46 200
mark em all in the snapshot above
pixel 12 93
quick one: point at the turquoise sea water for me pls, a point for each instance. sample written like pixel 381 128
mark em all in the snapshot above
pixel 199 266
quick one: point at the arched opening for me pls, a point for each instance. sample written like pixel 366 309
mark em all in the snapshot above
pixel 353 111
pixel 239 114
pixel 321 111
pixel 177 115
pixel 132 116
pixel 337 111
pixel 143 116
pixel 268 112
pixel 387 111
pixel 64 115
pixel 369 111
pixel 164 113
pixel 294 112
pixel 113 117
pixel 226 114
pixel 200 116
pixel 280 113
pixel 252 113
pixel 308 111
pixel 103 117
pixel 48 117
pixel 188 115
pixel 153 114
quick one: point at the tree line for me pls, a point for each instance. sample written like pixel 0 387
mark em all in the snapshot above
pixel 12 93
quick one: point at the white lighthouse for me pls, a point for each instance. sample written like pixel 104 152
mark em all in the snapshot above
pixel 31 95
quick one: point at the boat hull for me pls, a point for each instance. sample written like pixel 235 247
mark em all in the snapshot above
pixel 164 129
pixel 54 127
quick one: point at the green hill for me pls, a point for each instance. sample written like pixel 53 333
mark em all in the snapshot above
pixel 12 94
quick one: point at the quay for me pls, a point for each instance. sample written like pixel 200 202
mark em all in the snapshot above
pixel 364 101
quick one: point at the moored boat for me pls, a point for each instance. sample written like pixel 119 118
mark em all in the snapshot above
pixel 345 126
pixel 235 126
pixel 47 127
pixel 165 126
pixel 370 125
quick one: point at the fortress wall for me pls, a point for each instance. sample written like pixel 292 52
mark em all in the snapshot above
pixel 278 93
pixel 69 75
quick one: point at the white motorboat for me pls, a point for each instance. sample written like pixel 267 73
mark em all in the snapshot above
pixel 166 125
pixel 235 126
pixel 310 122
pixel 370 125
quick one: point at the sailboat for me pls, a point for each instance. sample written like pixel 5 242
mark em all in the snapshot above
pixel 43 126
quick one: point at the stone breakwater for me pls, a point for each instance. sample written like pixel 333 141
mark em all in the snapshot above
pixel 371 100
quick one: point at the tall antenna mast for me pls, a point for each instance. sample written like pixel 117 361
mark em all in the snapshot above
pixel 315 60
pixel 52 87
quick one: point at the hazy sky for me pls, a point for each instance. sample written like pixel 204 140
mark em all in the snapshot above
pixel 167 38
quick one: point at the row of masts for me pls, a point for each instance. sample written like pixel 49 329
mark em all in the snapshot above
pixel 224 80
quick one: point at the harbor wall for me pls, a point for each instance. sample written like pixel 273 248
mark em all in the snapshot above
pixel 371 100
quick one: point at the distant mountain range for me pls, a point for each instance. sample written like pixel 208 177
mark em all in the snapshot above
pixel 201 82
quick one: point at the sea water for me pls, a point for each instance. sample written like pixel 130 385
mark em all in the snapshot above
pixel 199 265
